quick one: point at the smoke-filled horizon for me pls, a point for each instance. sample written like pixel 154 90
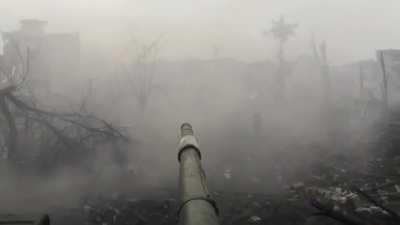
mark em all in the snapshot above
pixel 226 28
pixel 97 114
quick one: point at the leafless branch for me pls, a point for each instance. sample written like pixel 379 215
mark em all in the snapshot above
pixel 335 214
pixel 369 198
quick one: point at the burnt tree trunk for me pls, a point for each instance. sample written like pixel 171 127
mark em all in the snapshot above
pixel 12 143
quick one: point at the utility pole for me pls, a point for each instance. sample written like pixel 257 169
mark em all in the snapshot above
pixel 385 97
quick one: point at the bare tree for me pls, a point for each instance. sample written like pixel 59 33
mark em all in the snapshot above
pixel 321 60
pixel 139 69
pixel 281 31
pixel 21 119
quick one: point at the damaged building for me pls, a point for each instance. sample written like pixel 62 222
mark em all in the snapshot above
pixel 45 57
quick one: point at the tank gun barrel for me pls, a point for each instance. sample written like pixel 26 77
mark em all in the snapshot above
pixel 197 207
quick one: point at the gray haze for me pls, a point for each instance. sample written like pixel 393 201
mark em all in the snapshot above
pixel 190 28
pixel 228 95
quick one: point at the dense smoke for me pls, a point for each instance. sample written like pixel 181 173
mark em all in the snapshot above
pixel 148 66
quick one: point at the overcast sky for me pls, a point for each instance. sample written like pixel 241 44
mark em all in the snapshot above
pixel 352 28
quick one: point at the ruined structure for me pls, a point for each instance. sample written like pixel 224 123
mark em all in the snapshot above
pixel 45 57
